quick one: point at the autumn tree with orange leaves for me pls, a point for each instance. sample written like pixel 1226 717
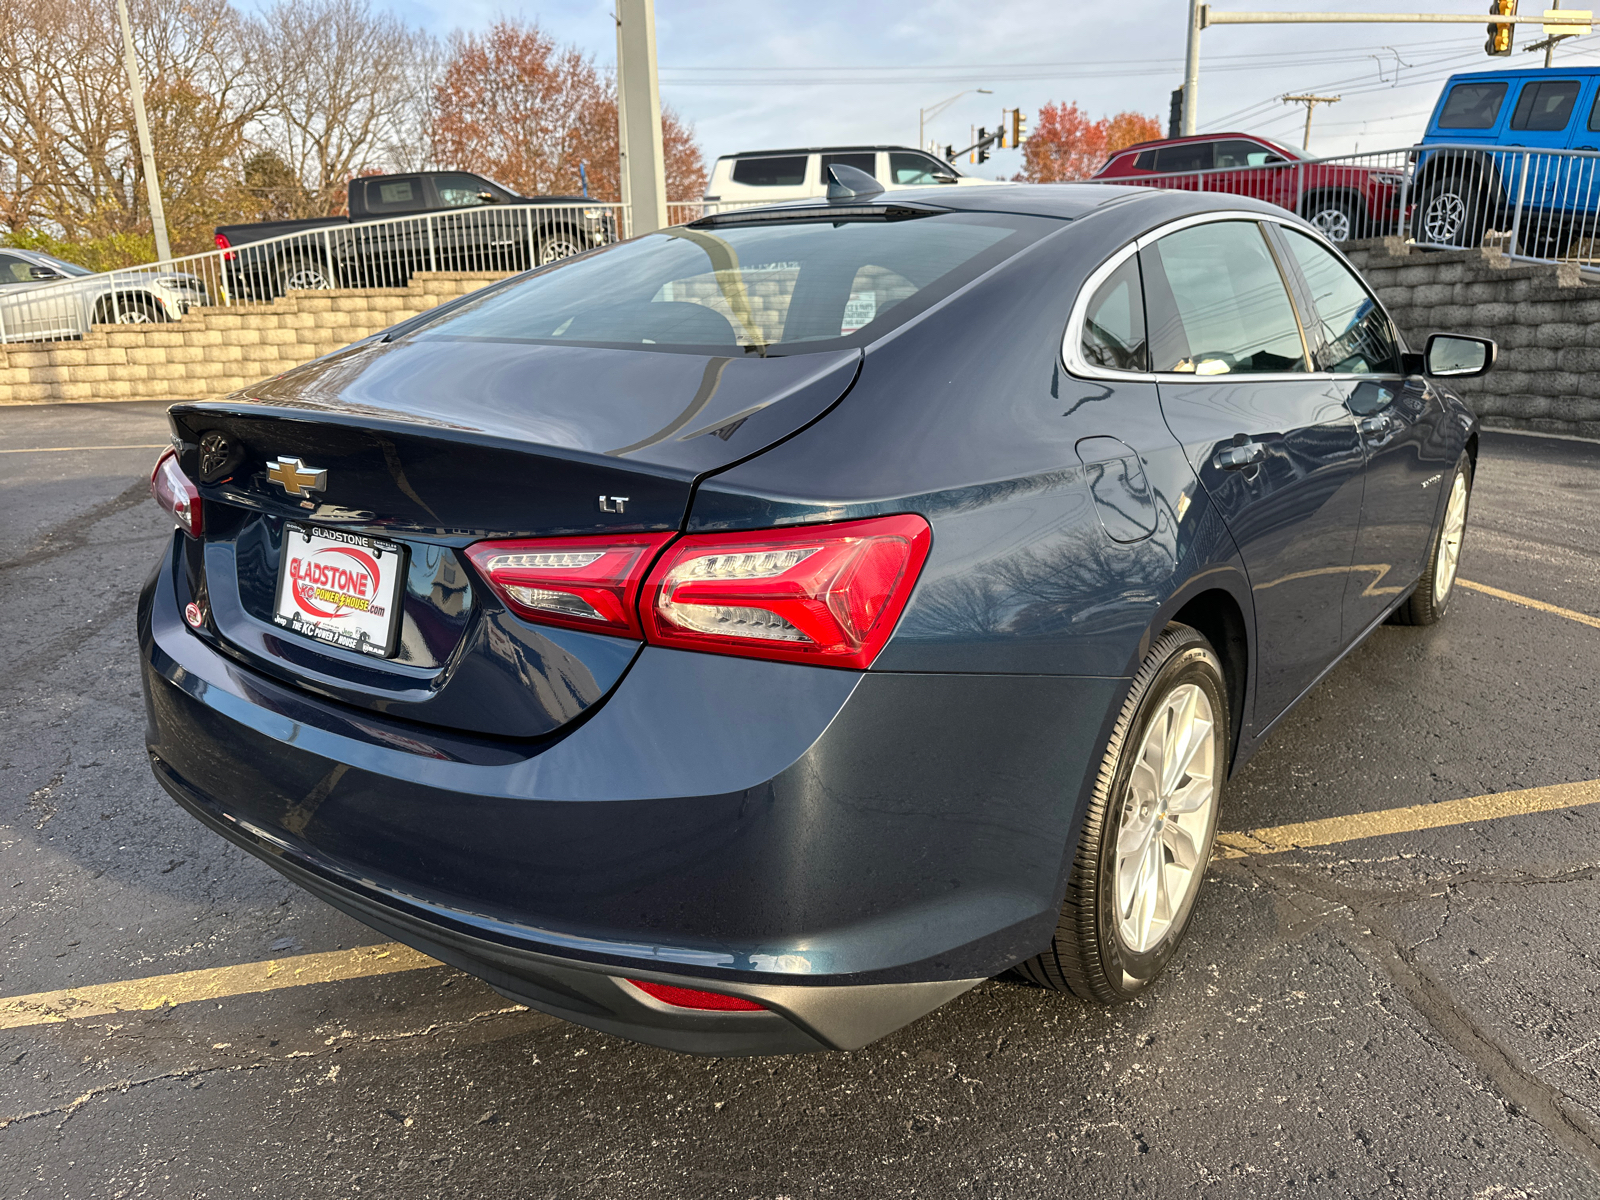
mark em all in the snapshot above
pixel 1066 145
pixel 513 105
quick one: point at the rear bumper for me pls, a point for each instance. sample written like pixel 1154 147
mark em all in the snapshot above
pixel 850 850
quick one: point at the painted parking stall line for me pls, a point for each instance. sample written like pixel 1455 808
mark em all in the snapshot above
pixel 1335 830
pixel 1530 602
pixel 215 983
pixel 391 958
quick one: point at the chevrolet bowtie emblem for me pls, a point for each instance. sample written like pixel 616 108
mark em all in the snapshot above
pixel 294 477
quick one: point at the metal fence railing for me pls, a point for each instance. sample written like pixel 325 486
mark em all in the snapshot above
pixel 1348 196
pixel 45 299
pixel 1533 204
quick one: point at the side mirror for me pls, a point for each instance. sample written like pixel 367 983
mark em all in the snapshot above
pixel 1456 356
pixel 43 273
pixel 1272 159
pixel 944 177
pixel 488 198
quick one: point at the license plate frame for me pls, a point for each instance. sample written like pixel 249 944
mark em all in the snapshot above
pixel 320 567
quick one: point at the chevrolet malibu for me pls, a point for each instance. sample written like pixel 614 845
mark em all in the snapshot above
pixel 747 638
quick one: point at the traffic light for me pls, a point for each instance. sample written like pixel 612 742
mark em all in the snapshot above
pixel 1019 128
pixel 950 154
pixel 1499 43
pixel 983 144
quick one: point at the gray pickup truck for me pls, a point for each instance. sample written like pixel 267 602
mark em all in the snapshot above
pixel 449 220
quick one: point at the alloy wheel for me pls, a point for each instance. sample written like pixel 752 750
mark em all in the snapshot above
pixel 1334 223
pixel 306 279
pixel 134 316
pixel 556 249
pixel 1449 552
pixel 1165 817
pixel 1445 217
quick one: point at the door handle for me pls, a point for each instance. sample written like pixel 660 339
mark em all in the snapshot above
pixel 1245 454
pixel 1375 425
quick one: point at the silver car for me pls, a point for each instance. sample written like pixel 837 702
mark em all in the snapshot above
pixel 43 297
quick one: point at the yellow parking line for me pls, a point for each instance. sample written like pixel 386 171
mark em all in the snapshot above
pixel 1334 830
pixel 216 983
pixel 63 449
pixel 219 983
pixel 1529 602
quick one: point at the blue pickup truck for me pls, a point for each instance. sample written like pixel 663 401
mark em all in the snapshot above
pixel 1516 149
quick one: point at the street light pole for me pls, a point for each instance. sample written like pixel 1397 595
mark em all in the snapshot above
pixel 152 185
pixel 1191 72
pixel 924 115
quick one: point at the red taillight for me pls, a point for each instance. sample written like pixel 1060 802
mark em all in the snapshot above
pixel 694 998
pixel 823 594
pixel 173 491
pixel 587 583
pixel 223 244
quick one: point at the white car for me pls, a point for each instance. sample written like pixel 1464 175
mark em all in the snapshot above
pixel 764 176
pixel 45 298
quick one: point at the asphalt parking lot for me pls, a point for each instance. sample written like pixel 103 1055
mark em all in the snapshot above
pixel 1369 1003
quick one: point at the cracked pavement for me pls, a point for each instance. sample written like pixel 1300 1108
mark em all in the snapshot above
pixel 1412 1014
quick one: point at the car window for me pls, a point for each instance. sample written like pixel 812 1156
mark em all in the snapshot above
pixel 1146 161
pixel 1191 156
pixel 1545 106
pixel 1472 106
pixel 1236 152
pixel 394 195
pixel 787 170
pixel 909 168
pixel 1113 323
pixel 790 286
pixel 14 270
pixel 1217 305
pixel 1594 114
pixel 62 265
pixel 867 162
pixel 1359 340
pixel 460 191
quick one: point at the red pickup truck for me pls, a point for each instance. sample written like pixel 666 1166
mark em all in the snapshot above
pixel 1344 201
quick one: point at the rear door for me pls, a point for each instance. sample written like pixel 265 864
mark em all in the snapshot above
pixel 1407 447
pixel 1270 440
pixel 1544 118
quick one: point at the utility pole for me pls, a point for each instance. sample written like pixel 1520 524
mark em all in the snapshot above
pixel 1191 69
pixel 152 185
pixel 1311 103
pixel 644 174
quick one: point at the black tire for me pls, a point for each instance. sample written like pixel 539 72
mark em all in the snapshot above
pixel 304 273
pixel 1336 215
pixel 1452 210
pixel 1089 955
pixel 1429 601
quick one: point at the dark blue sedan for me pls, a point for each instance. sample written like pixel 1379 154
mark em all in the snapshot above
pixel 746 638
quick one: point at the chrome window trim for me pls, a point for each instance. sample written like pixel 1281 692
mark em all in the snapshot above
pixel 1073 338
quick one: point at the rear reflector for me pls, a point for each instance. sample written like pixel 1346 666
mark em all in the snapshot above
pixel 173 492
pixel 823 594
pixel 692 998
pixel 589 583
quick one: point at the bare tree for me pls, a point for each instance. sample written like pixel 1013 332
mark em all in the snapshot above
pixel 342 91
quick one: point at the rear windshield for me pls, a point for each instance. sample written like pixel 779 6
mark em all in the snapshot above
pixel 1472 106
pixel 812 285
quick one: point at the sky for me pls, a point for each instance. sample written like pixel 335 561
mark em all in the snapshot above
pixel 756 74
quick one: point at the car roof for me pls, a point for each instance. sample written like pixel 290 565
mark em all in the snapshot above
pixel 1202 137
pixel 1510 73
pixel 819 150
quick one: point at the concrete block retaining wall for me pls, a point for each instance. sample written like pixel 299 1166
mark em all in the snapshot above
pixel 1546 319
pixel 214 351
